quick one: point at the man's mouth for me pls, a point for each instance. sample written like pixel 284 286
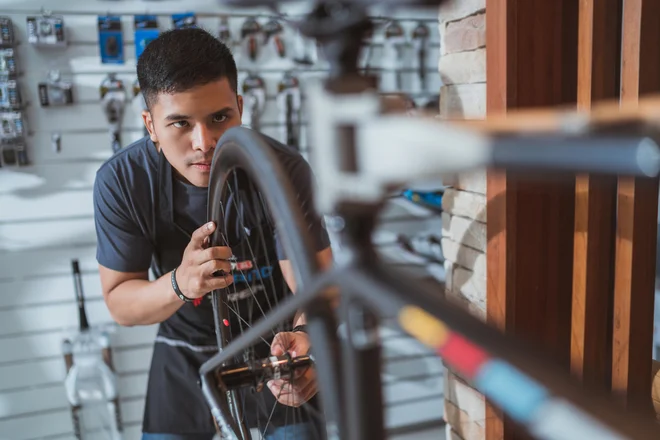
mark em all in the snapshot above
pixel 203 166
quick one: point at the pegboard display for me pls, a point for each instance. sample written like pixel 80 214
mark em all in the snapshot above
pixel 70 59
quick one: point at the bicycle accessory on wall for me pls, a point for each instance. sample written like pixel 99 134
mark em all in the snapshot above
pixel 6 31
pixel 10 97
pixel 111 42
pixel 46 31
pixel 56 141
pixel 12 127
pixel 8 67
pixel 249 31
pixel 146 30
pixel 273 29
pixel 113 101
pixel 396 38
pixel 54 91
pixel 224 32
pixel 13 155
pixel 184 20
pixel 254 98
pixel 289 103
pixel 420 38
pixel 137 95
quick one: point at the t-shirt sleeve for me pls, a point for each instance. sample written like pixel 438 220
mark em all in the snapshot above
pixel 302 179
pixel 121 244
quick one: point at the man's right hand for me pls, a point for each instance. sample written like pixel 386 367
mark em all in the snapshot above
pixel 195 276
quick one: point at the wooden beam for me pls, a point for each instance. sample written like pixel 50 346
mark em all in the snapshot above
pixel 599 52
pixel 637 221
pixel 531 62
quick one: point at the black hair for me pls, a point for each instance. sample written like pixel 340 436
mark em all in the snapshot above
pixel 180 59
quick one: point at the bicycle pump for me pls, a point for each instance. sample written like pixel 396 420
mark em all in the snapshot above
pixel 273 29
pixel 420 38
pixel 289 103
pixel 396 38
pixel 113 102
pixel 249 31
pixel 254 97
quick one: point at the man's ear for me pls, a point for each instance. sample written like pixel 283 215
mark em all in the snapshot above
pixel 149 123
pixel 239 100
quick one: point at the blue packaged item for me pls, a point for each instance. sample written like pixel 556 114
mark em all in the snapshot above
pixel 146 30
pixel 111 41
pixel 184 20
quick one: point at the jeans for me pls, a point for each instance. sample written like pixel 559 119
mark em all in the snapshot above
pixel 300 431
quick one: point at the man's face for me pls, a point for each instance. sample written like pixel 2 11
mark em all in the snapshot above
pixel 186 126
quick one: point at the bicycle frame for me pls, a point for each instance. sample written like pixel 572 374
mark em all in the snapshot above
pixel 362 279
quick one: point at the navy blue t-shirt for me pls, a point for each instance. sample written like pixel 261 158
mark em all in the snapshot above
pixel 143 223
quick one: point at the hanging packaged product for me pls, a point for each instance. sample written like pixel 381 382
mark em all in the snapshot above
pixel 54 91
pixel 10 97
pixel 254 98
pixel 12 125
pixel 113 102
pixel 224 32
pixel 8 67
pixel 6 31
pixel 146 30
pixel 395 39
pixel 249 32
pixel 420 36
pixel 111 42
pixel 289 103
pixel 46 31
pixel 273 29
pixel 184 20
pixel 137 95
pixel 13 155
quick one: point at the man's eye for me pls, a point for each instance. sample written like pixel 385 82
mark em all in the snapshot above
pixel 180 124
pixel 219 118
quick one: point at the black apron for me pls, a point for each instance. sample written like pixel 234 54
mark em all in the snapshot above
pixel 174 402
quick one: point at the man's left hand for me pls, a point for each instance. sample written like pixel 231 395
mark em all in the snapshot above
pixel 302 387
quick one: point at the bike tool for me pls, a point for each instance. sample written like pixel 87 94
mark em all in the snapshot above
pixel 46 30
pixel 249 32
pixel 254 97
pixel 273 29
pixel 396 38
pixel 113 102
pixel 289 103
pixel 137 95
pixel 55 91
pixel 420 38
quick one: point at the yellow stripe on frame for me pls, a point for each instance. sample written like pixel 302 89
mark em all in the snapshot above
pixel 423 327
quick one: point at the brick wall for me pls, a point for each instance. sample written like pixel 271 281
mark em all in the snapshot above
pixel 462 68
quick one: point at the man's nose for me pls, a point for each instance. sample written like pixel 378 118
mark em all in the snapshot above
pixel 203 138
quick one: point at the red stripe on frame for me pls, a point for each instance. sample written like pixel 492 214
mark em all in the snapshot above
pixel 462 355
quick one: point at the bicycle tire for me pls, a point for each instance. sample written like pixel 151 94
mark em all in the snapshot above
pixel 246 150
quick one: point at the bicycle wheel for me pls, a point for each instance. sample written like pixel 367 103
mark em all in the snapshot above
pixel 259 216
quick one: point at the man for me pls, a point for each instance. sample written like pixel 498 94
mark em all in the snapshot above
pixel 150 202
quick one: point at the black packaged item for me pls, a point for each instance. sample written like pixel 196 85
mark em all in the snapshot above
pixel 55 91
pixel 6 31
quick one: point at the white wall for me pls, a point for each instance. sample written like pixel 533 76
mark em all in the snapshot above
pixel 46 215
